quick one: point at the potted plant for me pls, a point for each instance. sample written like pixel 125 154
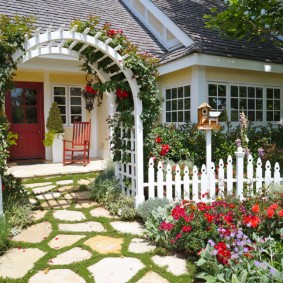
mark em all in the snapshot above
pixel 54 136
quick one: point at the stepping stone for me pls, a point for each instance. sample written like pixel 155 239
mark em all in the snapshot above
pixel 100 212
pixel 69 215
pixel 35 233
pixel 71 256
pixel 32 201
pixel 85 195
pixel 38 214
pixel 140 246
pixel 57 275
pixel 176 266
pixel 134 228
pixel 84 182
pixel 62 241
pixel 49 196
pixel 67 189
pixel 62 203
pixel 65 182
pixel 16 263
pixel 90 226
pixel 152 277
pixel 105 244
pixel 115 270
pixel 85 204
pixel 43 190
pixel 34 185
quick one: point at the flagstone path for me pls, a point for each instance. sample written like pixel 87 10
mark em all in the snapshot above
pixel 74 240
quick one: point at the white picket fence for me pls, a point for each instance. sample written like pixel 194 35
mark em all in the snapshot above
pixel 207 184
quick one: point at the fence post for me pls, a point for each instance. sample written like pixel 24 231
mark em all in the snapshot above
pixel 151 189
pixel 239 172
pixel 1 199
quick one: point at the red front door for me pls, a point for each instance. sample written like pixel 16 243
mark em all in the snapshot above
pixel 24 109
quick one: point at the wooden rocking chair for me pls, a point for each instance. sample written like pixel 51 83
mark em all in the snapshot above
pixel 77 150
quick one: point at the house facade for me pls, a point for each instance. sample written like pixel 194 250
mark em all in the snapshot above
pixel 196 66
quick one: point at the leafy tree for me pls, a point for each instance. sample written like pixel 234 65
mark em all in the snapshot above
pixel 241 18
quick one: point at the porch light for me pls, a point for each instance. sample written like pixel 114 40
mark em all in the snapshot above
pixel 89 94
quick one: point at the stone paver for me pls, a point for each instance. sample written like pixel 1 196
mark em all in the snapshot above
pixel 62 241
pixel 67 189
pixel 152 277
pixel 85 195
pixel 71 256
pixel 33 201
pixel 85 204
pixel 84 182
pixel 34 185
pixel 35 233
pixel 64 182
pixel 134 228
pixel 105 244
pixel 115 270
pixel 140 246
pixel 57 275
pixel 101 212
pixel 42 190
pixel 16 263
pixel 48 196
pixel 38 214
pixel 69 215
pixel 176 266
pixel 90 226
pixel 62 203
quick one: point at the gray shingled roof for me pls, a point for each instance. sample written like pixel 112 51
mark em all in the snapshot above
pixel 56 12
pixel 188 15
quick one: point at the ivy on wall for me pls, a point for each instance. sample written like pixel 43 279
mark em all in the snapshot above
pixel 12 35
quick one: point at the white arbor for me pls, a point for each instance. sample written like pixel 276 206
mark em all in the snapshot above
pixel 54 42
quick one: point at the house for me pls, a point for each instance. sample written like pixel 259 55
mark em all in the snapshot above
pixel 196 66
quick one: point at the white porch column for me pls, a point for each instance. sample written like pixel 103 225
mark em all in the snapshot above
pixel 47 101
pixel 94 131
pixel 198 90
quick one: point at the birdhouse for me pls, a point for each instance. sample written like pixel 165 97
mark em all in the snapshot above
pixel 207 118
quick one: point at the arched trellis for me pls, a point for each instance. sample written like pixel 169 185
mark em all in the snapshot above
pixel 54 42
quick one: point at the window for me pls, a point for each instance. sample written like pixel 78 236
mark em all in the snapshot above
pixel 259 103
pixel 69 100
pixel 178 104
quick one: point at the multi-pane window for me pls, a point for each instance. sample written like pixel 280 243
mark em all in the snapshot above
pixel 273 104
pixel 217 98
pixel 178 104
pixel 248 100
pixel 260 104
pixel 69 101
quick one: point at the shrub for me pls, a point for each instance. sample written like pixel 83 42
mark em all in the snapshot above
pixel 4 235
pixel 124 207
pixel 145 209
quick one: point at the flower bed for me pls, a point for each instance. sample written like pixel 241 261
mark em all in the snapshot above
pixel 229 235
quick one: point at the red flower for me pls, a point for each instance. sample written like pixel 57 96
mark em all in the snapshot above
pixel 178 212
pixel 270 212
pixel 113 32
pixel 280 213
pixel 89 89
pixel 121 94
pixel 251 220
pixel 3 187
pixel 166 226
pixel 209 217
pixel 186 229
pixel 255 208
pixel 158 139
pixel 274 206
pixel 164 149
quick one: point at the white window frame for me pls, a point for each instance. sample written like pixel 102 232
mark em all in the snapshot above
pixel 263 86
pixel 68 101
pixel 164 101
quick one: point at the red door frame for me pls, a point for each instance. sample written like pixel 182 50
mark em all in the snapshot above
pixel 39 87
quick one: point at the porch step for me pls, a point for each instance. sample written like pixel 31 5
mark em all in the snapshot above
pixel 53 169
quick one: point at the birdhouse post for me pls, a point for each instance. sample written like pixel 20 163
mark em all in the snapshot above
pixel 208 121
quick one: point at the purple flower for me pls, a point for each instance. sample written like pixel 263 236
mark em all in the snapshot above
pixel 246 250
pixel 272 270
pixel 238 142
pixel 260 152
pixel 257 263
pixel 211 242
pixel 233 256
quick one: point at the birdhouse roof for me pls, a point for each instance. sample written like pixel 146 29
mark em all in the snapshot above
pixel 204 105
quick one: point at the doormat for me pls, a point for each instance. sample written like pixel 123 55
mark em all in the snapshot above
pixel 30 162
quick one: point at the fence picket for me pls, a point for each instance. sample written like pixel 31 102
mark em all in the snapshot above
pixel 221 177
pixel 186 185
pixel 160 180
pixel 250 174
pixel 151 189
pixel 229 179
pixel 178 183
pixel 268 179
pixel 258 174
pixel 169 182
pixel 204 185
pixel 276 173
pixel 212 182
pixel 195 184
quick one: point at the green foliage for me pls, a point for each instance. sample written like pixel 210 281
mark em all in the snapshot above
pixel 145 209
pixel 247 18
pixel 49 137
pixel 4 235
pixel 54 121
